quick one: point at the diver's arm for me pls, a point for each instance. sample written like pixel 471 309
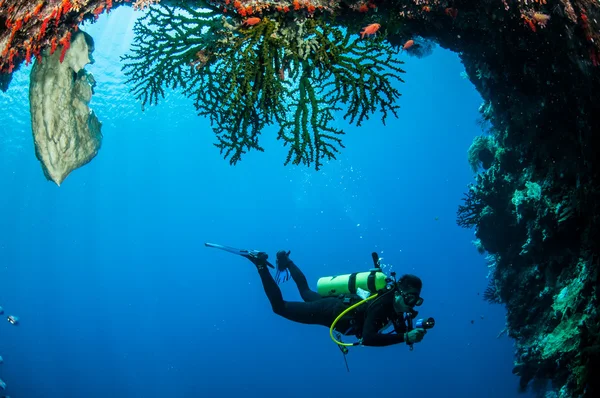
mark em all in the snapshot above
pixel 371 337
pixel 370 334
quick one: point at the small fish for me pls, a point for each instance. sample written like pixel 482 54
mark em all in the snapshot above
pixel 370 30
pixel 408 44
pixel 541 19
pixel 251 21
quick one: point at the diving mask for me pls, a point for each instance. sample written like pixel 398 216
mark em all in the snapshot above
pixel 411 299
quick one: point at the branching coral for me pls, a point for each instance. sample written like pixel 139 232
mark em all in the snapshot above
pixel 491 293
pixel 468 214
pixel 295 72
pixel 521 70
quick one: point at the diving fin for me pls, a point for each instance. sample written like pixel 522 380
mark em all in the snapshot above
pixel 252 255
pixel 282 262
pixel 282 275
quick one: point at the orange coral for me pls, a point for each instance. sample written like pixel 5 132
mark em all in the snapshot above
pixel 98 11
pixel 28 52
pixel 529 22
pixel 66 43
pixel 53 45
pixel 42 31
pixel 11 56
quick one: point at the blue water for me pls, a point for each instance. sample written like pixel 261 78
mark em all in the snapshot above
pixel 118 297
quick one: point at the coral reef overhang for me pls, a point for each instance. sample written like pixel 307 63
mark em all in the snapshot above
pixel 535 208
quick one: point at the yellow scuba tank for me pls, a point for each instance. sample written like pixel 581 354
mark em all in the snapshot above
pixel 371 281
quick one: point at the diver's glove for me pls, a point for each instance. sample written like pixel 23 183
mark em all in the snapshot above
pixel 258 258
pixel 283 261
pixel 414 336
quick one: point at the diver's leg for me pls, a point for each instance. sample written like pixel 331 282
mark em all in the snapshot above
pixel 319 312
pixel 271 289
pixel 302 284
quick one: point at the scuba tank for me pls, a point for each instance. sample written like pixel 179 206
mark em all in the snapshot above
pixel 372 281
pixel 375 282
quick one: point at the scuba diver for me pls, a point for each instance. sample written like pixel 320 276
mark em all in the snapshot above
pixel 345 308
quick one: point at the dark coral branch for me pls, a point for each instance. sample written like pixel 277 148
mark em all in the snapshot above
pixel 469 213
pixel 491 294
pixel 160 57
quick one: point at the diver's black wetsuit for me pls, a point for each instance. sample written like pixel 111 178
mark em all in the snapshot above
pixel 363 322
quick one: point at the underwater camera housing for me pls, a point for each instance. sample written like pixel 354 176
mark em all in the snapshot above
pixel 425 323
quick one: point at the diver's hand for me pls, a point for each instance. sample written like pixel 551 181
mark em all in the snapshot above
pixel 283 259
pixel 258 258
pixel 415 335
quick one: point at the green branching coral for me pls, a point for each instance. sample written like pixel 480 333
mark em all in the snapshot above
pixel 293 72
